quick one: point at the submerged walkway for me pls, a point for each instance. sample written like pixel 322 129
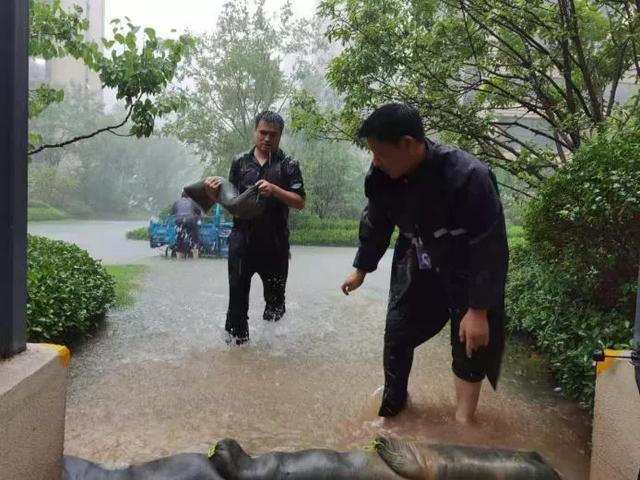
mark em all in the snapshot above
pixel 158 379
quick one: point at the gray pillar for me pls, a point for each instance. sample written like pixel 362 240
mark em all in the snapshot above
pixel 14 77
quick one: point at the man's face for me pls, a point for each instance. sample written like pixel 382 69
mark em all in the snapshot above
pixel 267 136
pixel 396 160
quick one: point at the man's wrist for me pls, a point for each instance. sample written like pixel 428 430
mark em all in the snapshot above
pixel 478 313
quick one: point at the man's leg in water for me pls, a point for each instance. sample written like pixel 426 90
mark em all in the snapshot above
pixel 467 397
pixel 468 372
pixel 240 272
pixel 417 311
pixel 274 272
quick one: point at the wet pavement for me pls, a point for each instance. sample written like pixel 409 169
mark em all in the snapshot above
pixel 158 379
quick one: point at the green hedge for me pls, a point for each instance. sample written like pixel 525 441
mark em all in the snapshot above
pixel 572 283
pixel 325 237
pixel 546 302
pixel 68 291
pixel 37 204
pixel 141 233
pixel 309 230
pixel 515 236
pixel 40 214
pixel 587 216
pixel 344 233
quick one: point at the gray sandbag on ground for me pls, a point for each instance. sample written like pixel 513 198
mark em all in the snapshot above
pixel 247 205
pixel 454 462
pixel 187 466
pixel 233 463
pixel 389 460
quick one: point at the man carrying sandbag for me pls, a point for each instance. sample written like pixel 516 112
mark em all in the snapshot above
pixel 261 245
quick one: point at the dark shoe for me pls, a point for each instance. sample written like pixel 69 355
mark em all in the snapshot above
pixel 233 340
pixel 392 407
pixel 273 314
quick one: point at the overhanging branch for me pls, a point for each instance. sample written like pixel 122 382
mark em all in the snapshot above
pixel 79 138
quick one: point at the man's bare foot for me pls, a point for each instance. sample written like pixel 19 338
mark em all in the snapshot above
pixel 467 396
pixel 463 419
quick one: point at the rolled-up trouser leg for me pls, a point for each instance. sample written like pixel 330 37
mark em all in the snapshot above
pixel 485 361
pixel 274 273
pixel 417 311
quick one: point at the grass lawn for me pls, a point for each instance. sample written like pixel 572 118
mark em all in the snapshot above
pixel 128 280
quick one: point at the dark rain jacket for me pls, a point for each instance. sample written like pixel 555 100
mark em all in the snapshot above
pixel 270 229
pixel 451 203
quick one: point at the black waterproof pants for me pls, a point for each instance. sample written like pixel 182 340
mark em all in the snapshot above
pixel 244 261
pixel 419 308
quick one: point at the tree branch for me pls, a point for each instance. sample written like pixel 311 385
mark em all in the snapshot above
pixel 527 63
pixel 534 130
pixel 634 47
pixel 616 79
pixel 582 63
pixel 81 137
pixel 517 190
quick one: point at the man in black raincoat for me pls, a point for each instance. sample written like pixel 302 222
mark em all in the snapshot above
pixel 261 245
pixel 450 260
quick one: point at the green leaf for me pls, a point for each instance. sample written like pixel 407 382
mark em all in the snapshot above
pixel 151 33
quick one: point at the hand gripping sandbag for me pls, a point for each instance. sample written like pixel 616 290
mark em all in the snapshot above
pixel 247 205
pixel 388 460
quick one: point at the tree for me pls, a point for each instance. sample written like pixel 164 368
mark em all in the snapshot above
pixel 333 175
pixel 105 175
pixel 231 76
pixel 138 74
pixel 485 74
pixel 572 283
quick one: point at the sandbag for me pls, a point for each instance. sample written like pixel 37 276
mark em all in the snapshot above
pixel 389 460
pixel 247 205
pixel 233 463
pixel 454 462
pixel 187 466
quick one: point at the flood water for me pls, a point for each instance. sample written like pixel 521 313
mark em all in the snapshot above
pixel 158 379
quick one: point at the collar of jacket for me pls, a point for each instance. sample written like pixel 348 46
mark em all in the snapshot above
pixel 278 156
pixel 428 168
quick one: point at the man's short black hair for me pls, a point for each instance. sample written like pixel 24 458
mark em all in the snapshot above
pixel 270 117
pixel 391 122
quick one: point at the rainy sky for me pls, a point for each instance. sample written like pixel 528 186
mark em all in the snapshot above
pixel 195 15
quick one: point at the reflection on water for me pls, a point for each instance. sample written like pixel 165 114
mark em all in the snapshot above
pixel 158 379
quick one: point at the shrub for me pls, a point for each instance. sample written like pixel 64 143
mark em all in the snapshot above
pixel 308 229
pixel 141 233
pixel 548 302
pixel 68 291
pixel 586 218
pixel 325 237
pixel 572 282
pixel 37 204
pixel 515 236
pixel 40 214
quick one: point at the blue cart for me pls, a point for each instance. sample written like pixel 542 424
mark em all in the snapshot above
pixel 213 232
